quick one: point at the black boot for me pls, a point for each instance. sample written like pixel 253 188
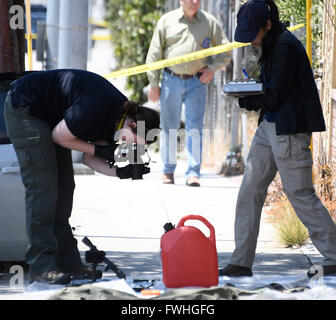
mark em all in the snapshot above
pixel 51 277
pixel 84 272
pixel 232 270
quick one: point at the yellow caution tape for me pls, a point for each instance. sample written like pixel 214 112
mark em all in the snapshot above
pixel 102 24
pixel 176 60
pixel 33 36
pixel 101 37
pixel 183 58
pixel 298 26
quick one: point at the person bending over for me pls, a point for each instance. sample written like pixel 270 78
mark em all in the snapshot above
pixel 48 114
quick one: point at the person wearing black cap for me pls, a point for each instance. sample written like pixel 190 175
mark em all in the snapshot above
pixel 48 114
pixel 290 112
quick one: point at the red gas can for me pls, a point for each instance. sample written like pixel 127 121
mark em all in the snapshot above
pixel 188 257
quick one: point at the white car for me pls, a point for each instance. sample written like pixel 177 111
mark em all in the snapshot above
pixel 13 236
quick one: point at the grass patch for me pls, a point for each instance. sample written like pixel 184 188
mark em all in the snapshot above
pixel 290 229
pixel 282 216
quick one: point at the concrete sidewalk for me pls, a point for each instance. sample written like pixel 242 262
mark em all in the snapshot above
pixel 125 218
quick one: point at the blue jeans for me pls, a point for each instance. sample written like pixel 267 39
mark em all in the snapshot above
pixel 174 92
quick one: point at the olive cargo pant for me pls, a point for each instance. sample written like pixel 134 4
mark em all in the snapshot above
pixel 47 174
pixel 290 154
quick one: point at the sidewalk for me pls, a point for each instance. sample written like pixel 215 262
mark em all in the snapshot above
pixel 125 218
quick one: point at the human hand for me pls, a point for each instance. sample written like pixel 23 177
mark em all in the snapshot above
pixel 244 103
pixel 154 94
pixel 207 75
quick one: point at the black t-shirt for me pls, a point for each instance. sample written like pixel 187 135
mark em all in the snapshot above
pixel 90 105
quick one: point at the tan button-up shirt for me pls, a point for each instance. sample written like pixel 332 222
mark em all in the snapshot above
pixel 175 35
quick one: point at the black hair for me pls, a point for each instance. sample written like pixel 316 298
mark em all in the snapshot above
pixel 277 28
pixel 140 113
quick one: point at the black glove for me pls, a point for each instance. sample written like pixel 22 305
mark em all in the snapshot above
pixel 244 103
pixel 105 152
pixel 132 171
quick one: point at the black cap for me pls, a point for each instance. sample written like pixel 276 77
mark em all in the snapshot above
pixel 252 15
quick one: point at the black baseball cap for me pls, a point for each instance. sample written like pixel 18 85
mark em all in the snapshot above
pixel 252 15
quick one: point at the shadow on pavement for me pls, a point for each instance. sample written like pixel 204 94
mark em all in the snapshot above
pixel 149 264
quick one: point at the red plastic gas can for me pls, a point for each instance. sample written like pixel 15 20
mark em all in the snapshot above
pixel 188 257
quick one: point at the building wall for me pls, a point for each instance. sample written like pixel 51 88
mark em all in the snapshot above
pixel 326 146
pixel 333 148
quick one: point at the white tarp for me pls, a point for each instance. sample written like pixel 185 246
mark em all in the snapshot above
pixel 321 289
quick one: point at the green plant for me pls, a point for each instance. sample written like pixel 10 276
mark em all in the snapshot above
pixel 295 11
pixel 282 216
pixel 290 229
pixel 132 23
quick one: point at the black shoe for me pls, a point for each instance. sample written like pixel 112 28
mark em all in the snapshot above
pixel 232 270
pixel 51 277
pixel 84 272
pixel 325 271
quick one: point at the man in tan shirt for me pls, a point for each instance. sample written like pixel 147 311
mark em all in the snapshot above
pixel 179 32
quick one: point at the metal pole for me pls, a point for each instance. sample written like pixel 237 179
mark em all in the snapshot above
pixel 52 33
pixel 29 35
pixel 73 34
pixel 237 70
pixel 309 30
pixel 90 29
pixel 244 136
pixel 309 53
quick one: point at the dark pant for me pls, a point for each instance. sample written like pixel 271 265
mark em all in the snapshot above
pixel 47 174
pixel 291 156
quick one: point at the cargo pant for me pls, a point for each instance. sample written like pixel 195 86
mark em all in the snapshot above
pixel 47 174
pixel 291 156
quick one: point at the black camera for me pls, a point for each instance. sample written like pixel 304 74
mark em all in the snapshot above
pixel 138 171
pixel 133 154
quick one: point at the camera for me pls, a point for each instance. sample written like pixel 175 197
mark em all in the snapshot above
pixel 133 153
pixel 138 171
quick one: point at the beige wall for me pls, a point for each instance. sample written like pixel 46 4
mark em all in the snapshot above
pixel 326 142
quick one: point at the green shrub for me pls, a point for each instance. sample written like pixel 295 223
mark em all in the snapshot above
pixel 290 229
pixel 295 11
pixel 132 23
pixel 282 216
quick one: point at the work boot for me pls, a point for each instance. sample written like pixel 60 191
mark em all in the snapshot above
pixel 328 271
pixel 232 270
pixel 168 178
pixel 51 277
pixel 193 181
pixel 84 272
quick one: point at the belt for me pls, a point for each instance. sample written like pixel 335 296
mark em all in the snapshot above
pixel 183 76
